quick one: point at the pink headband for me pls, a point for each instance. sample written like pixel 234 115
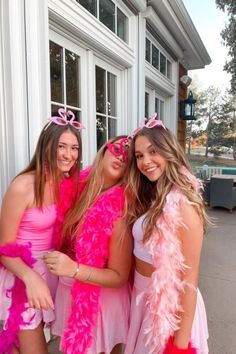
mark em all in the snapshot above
pixel 62 120
pixel 152 122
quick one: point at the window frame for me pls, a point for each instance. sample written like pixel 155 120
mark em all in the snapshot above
pixel 118 73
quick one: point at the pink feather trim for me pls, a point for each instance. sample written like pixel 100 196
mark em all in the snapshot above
pixel 67 194
pixel 8 336
pixel 92 248
pixel 166 282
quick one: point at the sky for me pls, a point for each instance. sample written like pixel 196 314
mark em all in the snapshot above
pixel 209 22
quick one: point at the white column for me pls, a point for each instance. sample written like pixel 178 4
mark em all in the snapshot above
pixel 141 68
pixel 13 88
pixel 38 67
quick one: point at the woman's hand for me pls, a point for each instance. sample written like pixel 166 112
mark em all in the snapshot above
pixel 60 264
pixel 37 291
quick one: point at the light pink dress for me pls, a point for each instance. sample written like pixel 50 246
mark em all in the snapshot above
pixel 36 227
pixel 139 318
pixel 112 321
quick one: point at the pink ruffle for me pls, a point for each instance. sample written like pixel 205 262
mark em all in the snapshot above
pixel 8 336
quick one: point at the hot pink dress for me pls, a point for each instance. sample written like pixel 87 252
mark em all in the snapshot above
pixel 36 227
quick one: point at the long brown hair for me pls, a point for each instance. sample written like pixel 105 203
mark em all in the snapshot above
pixel 146 197
pixel 44 161
pixel 93 188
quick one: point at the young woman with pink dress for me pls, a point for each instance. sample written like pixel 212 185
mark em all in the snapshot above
pixel 27 222
pixel 167 217
pixel 94 257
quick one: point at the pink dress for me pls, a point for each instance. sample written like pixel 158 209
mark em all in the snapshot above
pixel 140 316
pixel 112 319
pixel 36 227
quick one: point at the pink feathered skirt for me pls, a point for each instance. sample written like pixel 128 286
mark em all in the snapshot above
pixel 136 342
pixel 32 316
pixel 113 317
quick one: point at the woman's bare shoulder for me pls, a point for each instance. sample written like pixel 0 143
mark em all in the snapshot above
pixel 22 186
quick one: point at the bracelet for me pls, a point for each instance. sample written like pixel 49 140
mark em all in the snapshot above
pixel 76 271
pixel 90 274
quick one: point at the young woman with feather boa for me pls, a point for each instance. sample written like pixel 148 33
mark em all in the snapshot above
pixel 94 257
pixel 167 217
pixel 28 216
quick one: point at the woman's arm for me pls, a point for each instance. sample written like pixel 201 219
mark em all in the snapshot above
pixel 191 239
pixel 118 267
pixel 15 202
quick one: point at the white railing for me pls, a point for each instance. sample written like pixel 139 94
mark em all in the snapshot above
pixel 206 171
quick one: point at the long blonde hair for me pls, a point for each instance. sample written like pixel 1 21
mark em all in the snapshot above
pixel 44 161
pixel 146 197
pixel 92 189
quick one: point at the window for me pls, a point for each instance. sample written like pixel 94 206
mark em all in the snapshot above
pixel 148 50
pixel 90 5
pixel 168 69
pixel 159 108
pixel 65 79
pixel 109 14
pixel 157 59
pixel 106 105
pixel 146 104
pixel 162 64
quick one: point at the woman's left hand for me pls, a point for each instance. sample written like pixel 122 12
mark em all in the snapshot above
pixel 60 264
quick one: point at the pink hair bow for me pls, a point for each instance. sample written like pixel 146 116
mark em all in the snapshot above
pixel 151 122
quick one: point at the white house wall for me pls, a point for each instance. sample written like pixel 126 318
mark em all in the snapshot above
pixel 25 103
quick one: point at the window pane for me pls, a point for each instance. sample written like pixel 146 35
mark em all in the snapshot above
pixel 107 13
pixel 162 64
pixel 112 131
pixel 76 113
pixel 90 5
pixel 146 104
pixel 54 109
pixel 122 22
pixel 72 79
pixel 111 104
pixel 168 69
pixel 157 106
pixel 155 57
pixel 100 90
pixel 101 131
pixel 56 72
pixel 148 50
pixel 161 115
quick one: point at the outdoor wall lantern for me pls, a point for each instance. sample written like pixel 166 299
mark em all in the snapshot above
pixel 187 107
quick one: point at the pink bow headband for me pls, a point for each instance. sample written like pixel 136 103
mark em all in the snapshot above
pixel 63 119
pixel 151 123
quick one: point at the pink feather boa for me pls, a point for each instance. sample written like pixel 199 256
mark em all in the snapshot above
pixel 167 282
pixel 8 336
pixel 92 248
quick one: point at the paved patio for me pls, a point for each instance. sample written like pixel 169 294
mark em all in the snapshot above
pixel 217 283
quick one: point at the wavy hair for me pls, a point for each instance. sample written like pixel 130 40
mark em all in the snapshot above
pixel 147 197
pixel 44 161
pixel 91 191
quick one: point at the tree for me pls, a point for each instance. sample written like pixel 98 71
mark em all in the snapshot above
pixel 229 34
pixel 213 112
